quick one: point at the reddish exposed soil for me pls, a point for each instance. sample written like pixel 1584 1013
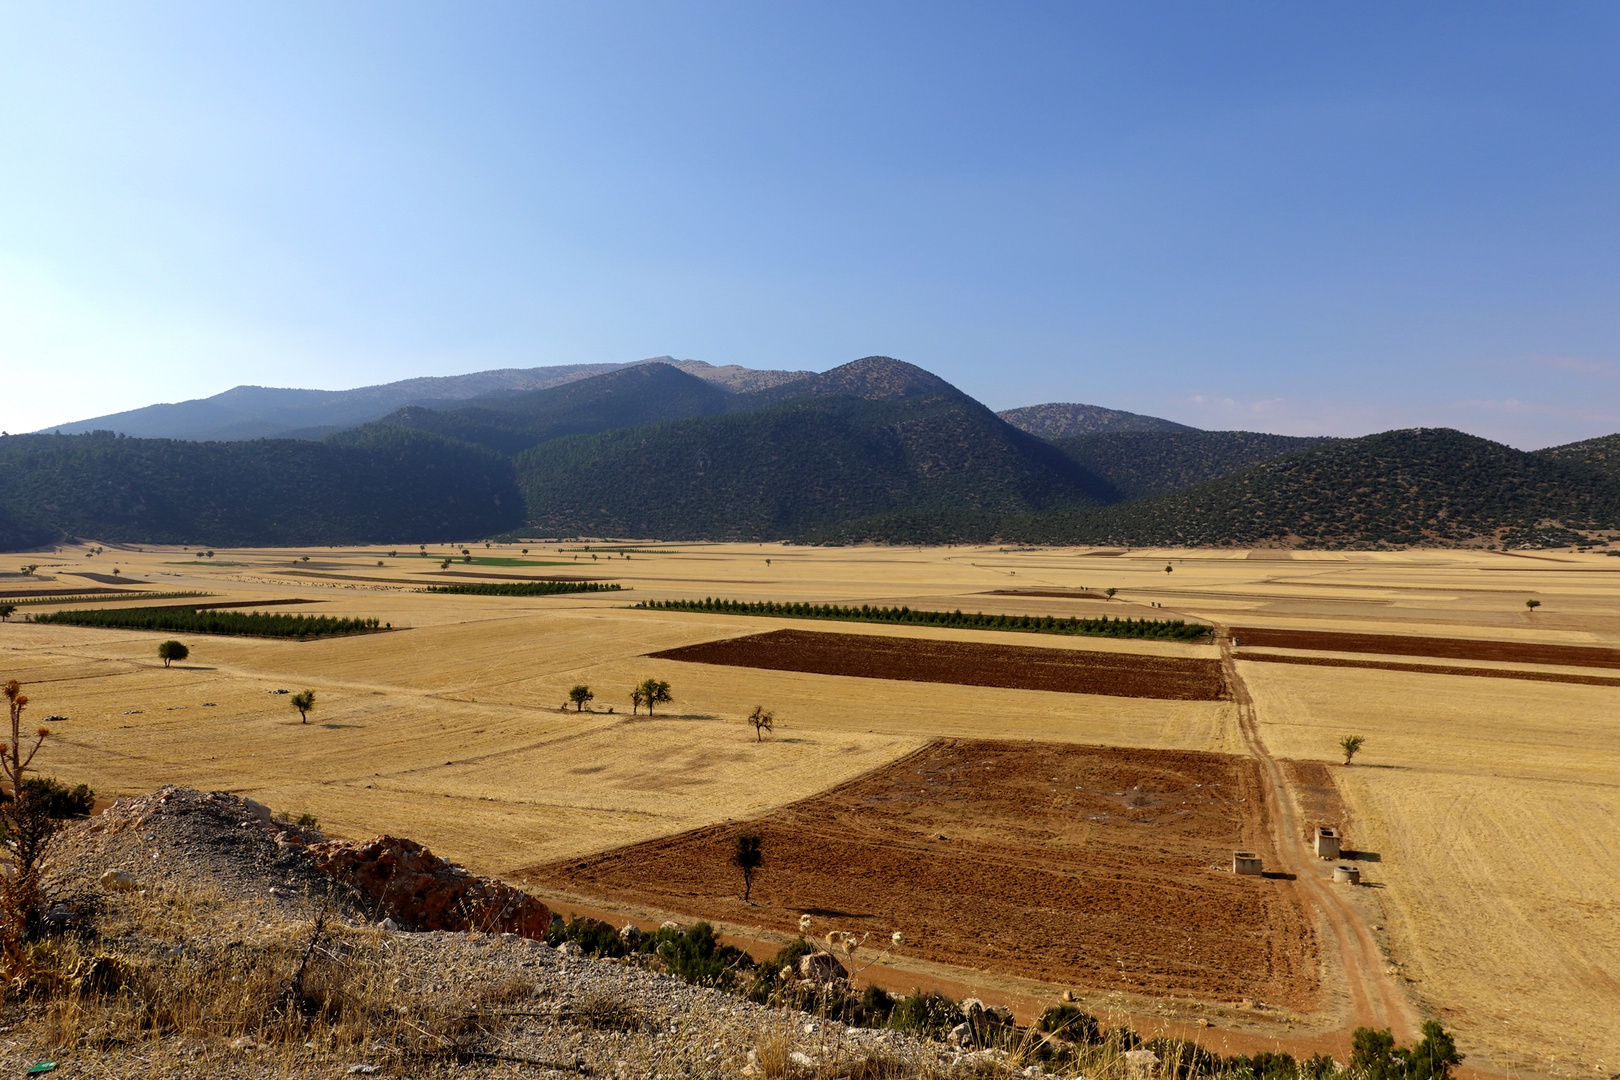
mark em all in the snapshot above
pixel 1513 652
pixel 966 663
pixel 1433 669
pixel 1094 866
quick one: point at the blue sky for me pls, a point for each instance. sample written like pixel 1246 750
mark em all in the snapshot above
pixel 1303 218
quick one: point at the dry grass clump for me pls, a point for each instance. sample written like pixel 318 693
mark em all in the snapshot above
pixel 228 975
pixel 606 1009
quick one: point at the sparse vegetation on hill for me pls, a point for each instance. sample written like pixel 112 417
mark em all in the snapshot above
pixel 231 623
pixel 525 588
pixel 1423 485
pixel 1102 626
pixel 1064 420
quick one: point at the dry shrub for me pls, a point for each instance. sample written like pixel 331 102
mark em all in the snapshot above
pixel 606 1009
pixel 771 1051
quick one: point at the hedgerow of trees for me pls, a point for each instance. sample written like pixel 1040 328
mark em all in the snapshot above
pixel 1102 626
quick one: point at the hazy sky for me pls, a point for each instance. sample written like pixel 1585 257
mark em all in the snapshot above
pixel 1299 217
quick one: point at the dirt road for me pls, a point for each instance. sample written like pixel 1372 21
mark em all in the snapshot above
pixel 1375 1000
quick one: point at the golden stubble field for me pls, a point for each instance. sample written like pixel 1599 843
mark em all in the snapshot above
pixel 1491 804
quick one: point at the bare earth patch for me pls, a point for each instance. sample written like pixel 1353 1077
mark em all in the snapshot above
pixel 966 663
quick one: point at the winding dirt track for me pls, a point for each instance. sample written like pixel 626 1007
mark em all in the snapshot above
pixel 1375 1001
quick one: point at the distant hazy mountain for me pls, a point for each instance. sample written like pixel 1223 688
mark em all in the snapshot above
pixel 1062 420
pixel 628 397
pixel 258 412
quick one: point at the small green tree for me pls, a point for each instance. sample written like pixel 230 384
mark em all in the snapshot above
pixel 1531 604
pixel 7 611
pixel 1110 592
pixel 748 857
pixel 638 698
pixel 762 722
pixel 1168 568
pixel 654 692
pixel 1350 744
pixel 304 702
pixel 172 650
pixel 579 695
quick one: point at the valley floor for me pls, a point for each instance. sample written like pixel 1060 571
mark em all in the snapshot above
pixel 1483 810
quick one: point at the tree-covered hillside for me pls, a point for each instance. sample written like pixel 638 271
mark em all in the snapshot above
pixel 628 397
pixel 800 466
pixel 374 485
pixel 1141 464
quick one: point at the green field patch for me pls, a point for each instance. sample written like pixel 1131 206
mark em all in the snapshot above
pixel 233 623
pixel 1102 626
pixel 524 588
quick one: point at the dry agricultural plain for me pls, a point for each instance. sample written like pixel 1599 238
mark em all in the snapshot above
pixel 1074 835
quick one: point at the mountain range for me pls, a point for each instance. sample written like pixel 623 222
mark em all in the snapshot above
pixel 876 449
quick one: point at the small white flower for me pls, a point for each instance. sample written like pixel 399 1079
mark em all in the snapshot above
pixel 898 938
pixel 804 923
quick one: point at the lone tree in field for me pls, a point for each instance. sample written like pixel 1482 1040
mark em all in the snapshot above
pixel 1532 604
pixel 579 695
pixel 762 722
pixel 748 858
pixel 1350 744
pixel 304 702
pixel 6 611
pixel 1110 592
pixel 638 698
pixel 654 692
pixel 172 650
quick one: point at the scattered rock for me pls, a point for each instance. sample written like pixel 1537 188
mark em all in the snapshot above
pixel 389 925
pixel 962 1035
pixel 119 881
pixel 424 892
pixel 801 1060
pixel 244 1042
pixel 571 950
pixel 821 967
pixel 630 934
pixel 362 1070
pixel 257 809
pixel 1141 1064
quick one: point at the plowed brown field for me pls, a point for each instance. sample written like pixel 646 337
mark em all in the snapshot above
pixel 966 663
pixel 1434 669
pixel 1511 652
pixel 1101 867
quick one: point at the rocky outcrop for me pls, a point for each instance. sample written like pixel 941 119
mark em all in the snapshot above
pixel 421 891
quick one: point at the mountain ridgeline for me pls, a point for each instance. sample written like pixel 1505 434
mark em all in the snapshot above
pixel 875 450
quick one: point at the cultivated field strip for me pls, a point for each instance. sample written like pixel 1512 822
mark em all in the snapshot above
pixel 1433 669
pixel 966 663
pixel 1511 652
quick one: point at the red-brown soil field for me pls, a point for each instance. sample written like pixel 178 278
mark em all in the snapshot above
pixel 1434 669
pixel 966 663
pixel 1096 867
pixel 1510 652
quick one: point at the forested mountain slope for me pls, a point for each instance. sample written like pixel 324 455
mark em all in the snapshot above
pixel 382 485
pixel 798 466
